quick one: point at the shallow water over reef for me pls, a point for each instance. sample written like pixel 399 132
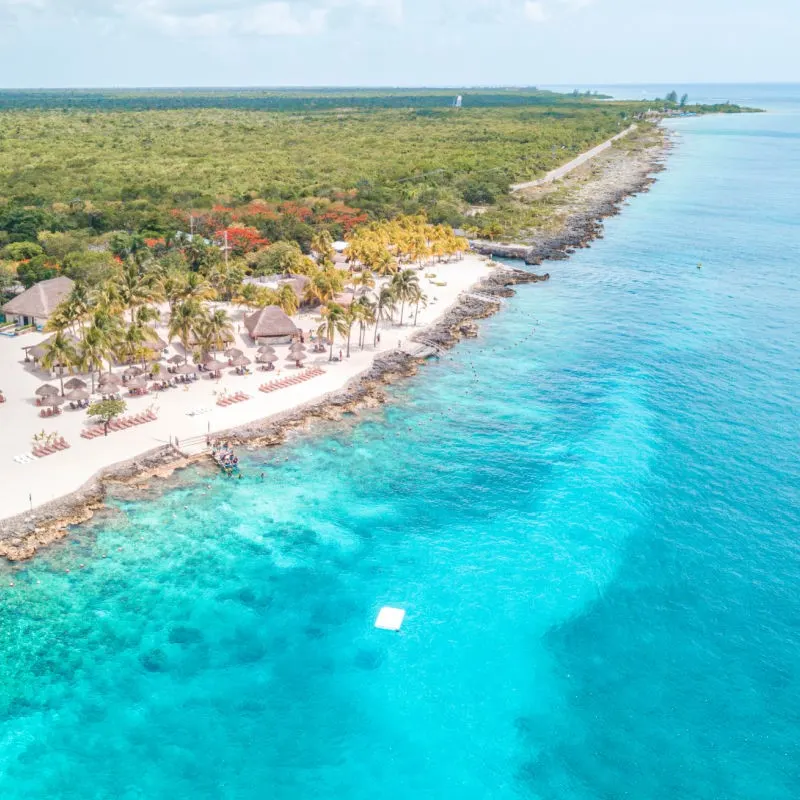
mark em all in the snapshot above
pixel 590 514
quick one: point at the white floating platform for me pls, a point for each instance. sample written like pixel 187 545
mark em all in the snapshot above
pixel 390 619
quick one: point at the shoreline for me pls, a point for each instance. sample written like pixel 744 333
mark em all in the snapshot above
pixel 22 535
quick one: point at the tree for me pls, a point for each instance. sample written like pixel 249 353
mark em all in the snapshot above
pixel 418 297
pixel 184 320
pixel 404 286
pixel 278 258
pixel 35 270
pixel 384 309
pixel 21 251
pixel 324 285
pixel 214 330
pixel 93 350
pixel 364 280
pixel 350 316
pixel 60 352
pixel 684 100
pixel 322 245
pixel 108 330
pixel 88 268
pixel 364 310
pixel 334 321
pixel 106 410
pixel 287 300
pixel 672 97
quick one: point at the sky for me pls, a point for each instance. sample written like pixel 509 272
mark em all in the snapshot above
pixel 580 43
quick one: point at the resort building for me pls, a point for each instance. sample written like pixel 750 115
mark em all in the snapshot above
pixel 35 305
pixel 270 325
pixel 297 282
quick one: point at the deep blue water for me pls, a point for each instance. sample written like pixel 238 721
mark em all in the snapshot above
pixel 591 514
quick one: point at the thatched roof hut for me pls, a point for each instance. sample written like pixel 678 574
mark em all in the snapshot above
pixel 35 305
pixel 270 325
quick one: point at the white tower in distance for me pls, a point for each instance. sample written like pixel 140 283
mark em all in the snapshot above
pixel 457 103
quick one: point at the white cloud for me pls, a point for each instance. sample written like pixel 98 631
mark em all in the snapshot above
pixel 278 19
pixel 534 11
pixel 208 18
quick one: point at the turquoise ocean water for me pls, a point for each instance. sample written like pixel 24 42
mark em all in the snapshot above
pixel 591 514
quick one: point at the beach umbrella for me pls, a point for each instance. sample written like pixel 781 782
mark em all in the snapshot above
pixel 186 369
pixel 266 358
pixel 132 372
pixel 241 361
pixel 213 365
pixel 137 383
pixel 266 348
pixel 108 387
pixel 296 347
pixel 296 357
pixel 52 400
pixel 156 343
pixel 176 359
pixel 233 352
pixel 46 390
pixel 110 377
pixel 75 383
pixel 78 394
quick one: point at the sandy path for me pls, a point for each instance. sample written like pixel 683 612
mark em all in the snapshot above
pixel 565 169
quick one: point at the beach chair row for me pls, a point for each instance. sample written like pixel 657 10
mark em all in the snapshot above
pixel 230 399
pixel 55 446
pixel 272 386
pixel 121 424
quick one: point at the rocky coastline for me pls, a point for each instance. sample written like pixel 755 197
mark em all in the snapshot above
pixel 621 175
pixel 23 535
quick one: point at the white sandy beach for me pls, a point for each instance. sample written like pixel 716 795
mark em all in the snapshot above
pixel 39 481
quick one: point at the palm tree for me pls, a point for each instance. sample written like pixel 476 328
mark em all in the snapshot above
pixel 183 321
pixel 60 352
pixel 334 322
pixel 365 279
pixel 93 350
pixel 384 309
pixel 134 288
pixel 418 297
pixel 404 285
pixel 322 245
pixel 132 343
pixel 71 310
pixel 324 285
pixel 287 300
pixel 214 330
pixel 350 316
pixel 109 331
pixel 364 310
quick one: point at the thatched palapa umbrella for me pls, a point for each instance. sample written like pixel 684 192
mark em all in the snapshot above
pixel 240 361
pixel 132 372
pixel 137 383
pixel 78 394
pixel 46 390
pixel 186 369
pixel 214 366
pixel 233 352
pixel 75 383
pixel 52 400
pixel 176 359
